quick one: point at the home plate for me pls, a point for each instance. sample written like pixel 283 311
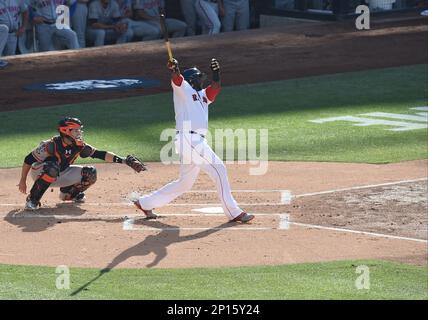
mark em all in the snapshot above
pixel 209 210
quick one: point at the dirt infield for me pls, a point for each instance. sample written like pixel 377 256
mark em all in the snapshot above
pixel 97 234
pixel 385 219
pixel 260 55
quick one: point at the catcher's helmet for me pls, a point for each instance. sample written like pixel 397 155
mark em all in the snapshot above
pixel 70 130
pixel 195 78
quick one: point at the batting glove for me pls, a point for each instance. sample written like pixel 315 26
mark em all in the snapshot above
pixel 173 65
pixel 215 66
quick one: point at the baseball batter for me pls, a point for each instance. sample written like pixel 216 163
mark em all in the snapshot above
pixel 45 16
pixel 209 12
pixel 51 165
pixel 191 104
pixel 11 13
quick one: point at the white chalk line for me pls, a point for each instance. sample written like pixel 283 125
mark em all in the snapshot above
pixel 239 191
pixel 359 187
pixel 204 228
pixel 117 216
pixel 381 235
pixel 283 221
pixel 284 197
pixel 284 224
pixel 260 190
pixel 118 204
pixel 128 221
pixel 128 225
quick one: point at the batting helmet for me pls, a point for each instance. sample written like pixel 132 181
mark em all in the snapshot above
pixel 195 78
pixel 70 130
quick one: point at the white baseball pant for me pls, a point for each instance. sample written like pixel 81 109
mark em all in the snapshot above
pixel 195 155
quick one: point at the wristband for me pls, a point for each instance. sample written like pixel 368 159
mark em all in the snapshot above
pixel 117 159
pixel 216 76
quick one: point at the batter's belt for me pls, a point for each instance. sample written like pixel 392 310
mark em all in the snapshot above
pixel 192 132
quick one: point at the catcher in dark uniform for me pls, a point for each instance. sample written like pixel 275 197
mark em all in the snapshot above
pixel 51 165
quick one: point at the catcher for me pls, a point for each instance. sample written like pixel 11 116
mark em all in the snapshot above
pixel 51 165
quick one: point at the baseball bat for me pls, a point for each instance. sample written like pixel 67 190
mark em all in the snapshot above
pixel 165 36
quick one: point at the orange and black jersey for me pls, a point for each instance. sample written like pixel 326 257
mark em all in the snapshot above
pixel 56 150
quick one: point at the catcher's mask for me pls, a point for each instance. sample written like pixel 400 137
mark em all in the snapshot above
pixel 195 78
pixel 71 131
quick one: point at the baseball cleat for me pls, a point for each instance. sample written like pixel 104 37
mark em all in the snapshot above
pixel 243 218
pixel 149 213
pixel 80 198
pixel 30 205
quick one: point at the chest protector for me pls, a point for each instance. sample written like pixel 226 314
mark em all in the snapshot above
pixel 65 155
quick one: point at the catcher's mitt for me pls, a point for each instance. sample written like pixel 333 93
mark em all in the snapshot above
pixel 135 163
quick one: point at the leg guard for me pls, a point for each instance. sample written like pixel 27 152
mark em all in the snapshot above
pixel 89 177
pixel 49 174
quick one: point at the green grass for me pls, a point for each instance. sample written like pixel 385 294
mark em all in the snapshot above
pixel 133 125
pixel 332 280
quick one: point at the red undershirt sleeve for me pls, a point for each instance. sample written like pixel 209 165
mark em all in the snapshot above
pixel 212 93
pixel 177 79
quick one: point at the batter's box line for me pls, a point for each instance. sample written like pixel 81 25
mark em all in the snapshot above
pixel 372 234
pixel 287 193
pixel 126 204
pixel 240 191
pixel 128 224
pixel 286 196
pixel 285 199
pixel 204 229
pixel 359 187
pixel 284 224
pixel 25 214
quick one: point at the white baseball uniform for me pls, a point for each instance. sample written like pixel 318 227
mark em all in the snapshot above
pixel 191 115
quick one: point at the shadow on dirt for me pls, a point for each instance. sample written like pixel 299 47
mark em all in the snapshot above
pixel 156 244
pixel 46 218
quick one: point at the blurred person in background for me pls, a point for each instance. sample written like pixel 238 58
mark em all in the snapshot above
pixel 209 12
pixel 44 17
pixel 13 22
pixel 141 29
pixel 150 10
pixel 236 15
pixel 188 9
pixel 104 23
pixel 79 19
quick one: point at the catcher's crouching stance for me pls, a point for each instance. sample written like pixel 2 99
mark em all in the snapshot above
pixel 50 165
